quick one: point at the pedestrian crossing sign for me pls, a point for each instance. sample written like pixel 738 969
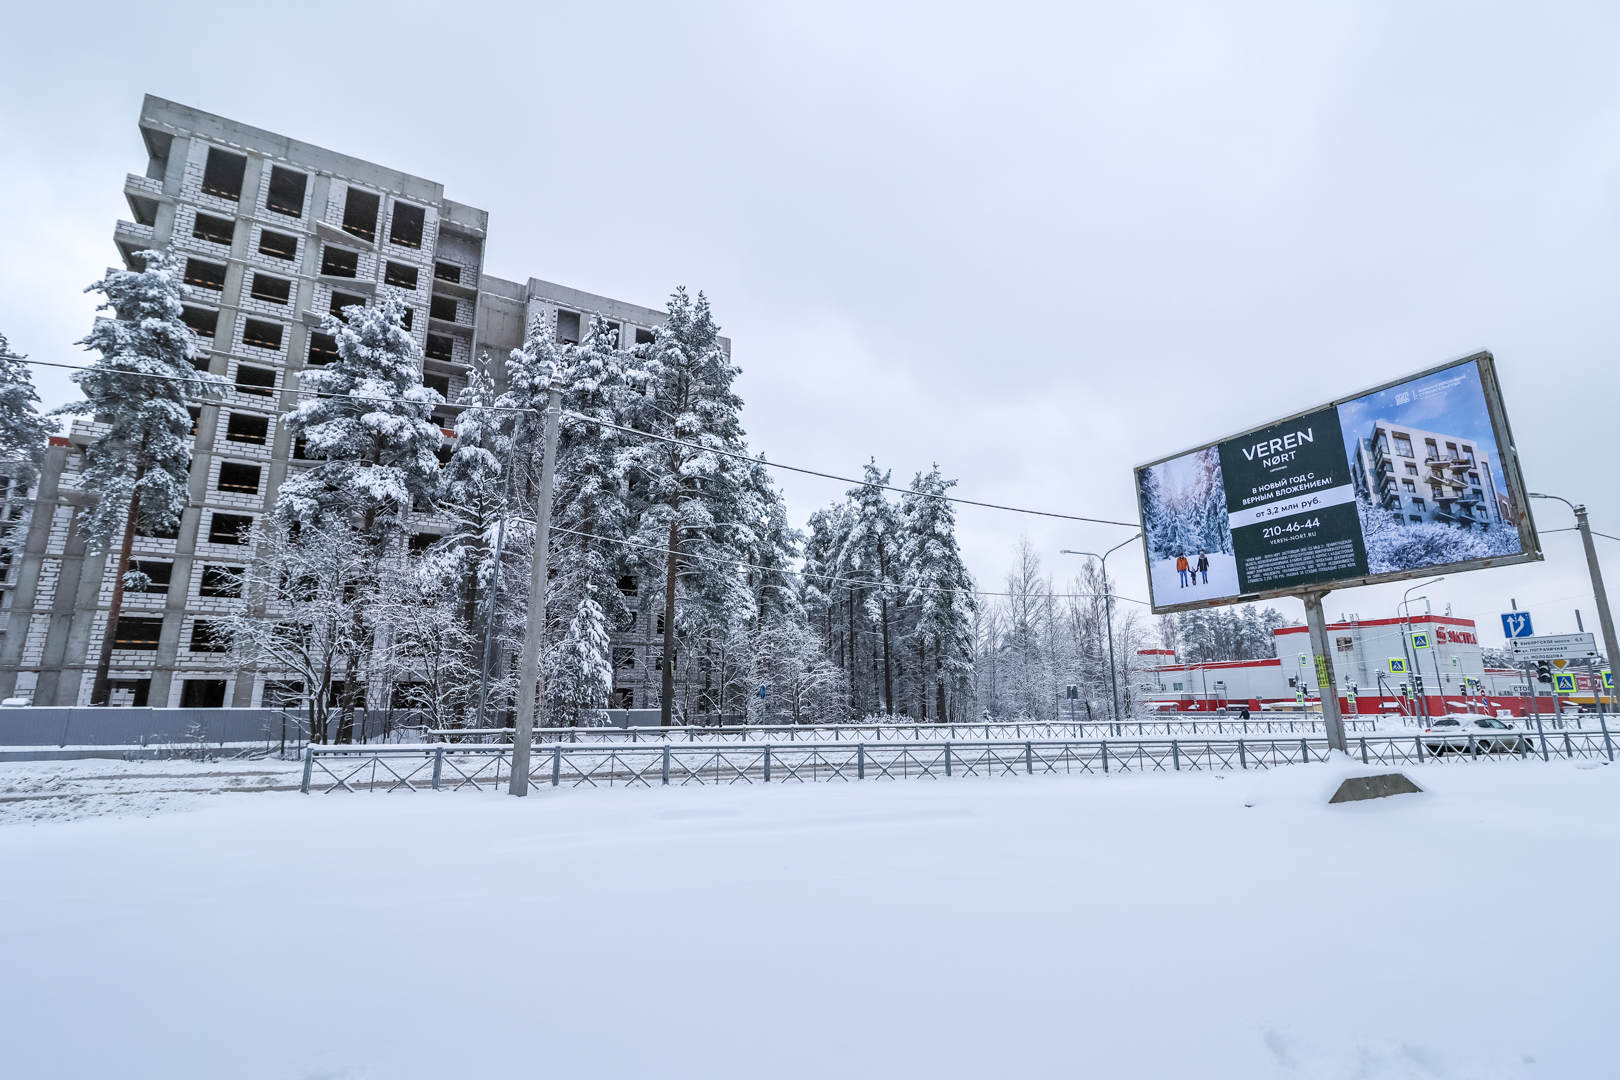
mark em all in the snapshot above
pixel 1564 682
pixel 1397 665
pixel 1608 680
pixel 1299 695
pixel 1420 639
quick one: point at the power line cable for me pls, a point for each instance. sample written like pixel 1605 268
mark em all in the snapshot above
pixel 627 430
pixel 829 578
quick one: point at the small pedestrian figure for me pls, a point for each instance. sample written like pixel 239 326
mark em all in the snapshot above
pixel 1203 566
pixel 1181 568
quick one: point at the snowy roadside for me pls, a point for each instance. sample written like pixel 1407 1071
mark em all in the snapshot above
pixel 38 791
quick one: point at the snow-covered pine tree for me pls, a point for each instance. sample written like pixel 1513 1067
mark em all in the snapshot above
pixel 23 434
pixel 870 555
pixel 939 587
pixel 139 469
pixel 374 444
pixel 687 494
pixel 458 569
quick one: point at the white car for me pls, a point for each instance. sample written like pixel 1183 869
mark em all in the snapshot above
pixel 1479 734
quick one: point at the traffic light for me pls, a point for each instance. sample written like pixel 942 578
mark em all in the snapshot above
pixel 1543 671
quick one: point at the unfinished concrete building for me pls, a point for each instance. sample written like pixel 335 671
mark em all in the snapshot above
pixel 275 233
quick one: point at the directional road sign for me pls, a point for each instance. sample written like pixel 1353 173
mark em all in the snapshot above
pixel 1516 624
pixel 1554 647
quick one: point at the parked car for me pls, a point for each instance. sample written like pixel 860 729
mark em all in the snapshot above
pixel 1450 734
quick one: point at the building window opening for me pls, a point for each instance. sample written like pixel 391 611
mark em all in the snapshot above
pixel 360 214
pixel 229 529
pixel 205 275
pixel 447 272
pixel 136 632
pixel 322 349
pixel 203 321
pixel 439 347
pixel 238 478
pixel 286 195
pixel 341 300
pixel 247 428
pixel 336 262
pixel 406 229
pixel 202 693
pixel 222 175
pixel 215 230
pixel 568 327
pixel 258 381
pixel 443 307
pixel 274 289
pixel 400 275
pixel 261 334
pixel 278 245
pixel 221 581
pixel 158 575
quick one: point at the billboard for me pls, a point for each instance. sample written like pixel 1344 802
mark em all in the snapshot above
pixel 1415 476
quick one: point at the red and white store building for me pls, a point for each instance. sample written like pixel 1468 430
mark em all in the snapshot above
pixel 1453 673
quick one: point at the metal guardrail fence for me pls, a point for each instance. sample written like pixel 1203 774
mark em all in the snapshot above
pixel 607 764
pixel 893 732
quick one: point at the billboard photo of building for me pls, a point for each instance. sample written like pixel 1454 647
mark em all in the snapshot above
pixel 1414 476
pixel 1428 474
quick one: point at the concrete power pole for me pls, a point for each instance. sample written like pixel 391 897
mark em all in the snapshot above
pixel 1605 620
pixel 1610 647
pixel 534 630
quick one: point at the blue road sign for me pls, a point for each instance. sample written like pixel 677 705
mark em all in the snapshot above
pixel 1516 624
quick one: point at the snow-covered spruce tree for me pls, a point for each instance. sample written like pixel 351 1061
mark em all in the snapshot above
pixel 138 470
pixel 580 668
pixel 870 555
pixel 687 494
pixel 374 445
pixel 23 434
pixel 938 585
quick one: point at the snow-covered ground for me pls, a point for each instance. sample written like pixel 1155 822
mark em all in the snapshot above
pixel 1223 580
pixel 1188 925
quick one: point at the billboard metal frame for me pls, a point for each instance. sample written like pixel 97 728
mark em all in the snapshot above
pixel 1529 543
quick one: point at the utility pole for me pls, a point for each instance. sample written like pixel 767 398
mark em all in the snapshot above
pixel 535 627
pixel 1326 683
pixel 1611 647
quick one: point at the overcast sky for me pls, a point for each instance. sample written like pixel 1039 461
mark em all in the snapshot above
pixel 1038 245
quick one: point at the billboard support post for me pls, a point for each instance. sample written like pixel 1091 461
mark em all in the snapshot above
pixel 1327 684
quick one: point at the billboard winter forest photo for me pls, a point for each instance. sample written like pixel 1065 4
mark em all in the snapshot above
pixel 1408 477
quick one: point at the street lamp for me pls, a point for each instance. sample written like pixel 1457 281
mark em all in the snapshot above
pixel 1108 612
pixel 1406 639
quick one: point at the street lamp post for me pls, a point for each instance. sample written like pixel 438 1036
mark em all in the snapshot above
pixel 1108 613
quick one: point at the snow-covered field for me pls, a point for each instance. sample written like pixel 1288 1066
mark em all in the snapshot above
pixel 1190 925
pixel 1223 580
